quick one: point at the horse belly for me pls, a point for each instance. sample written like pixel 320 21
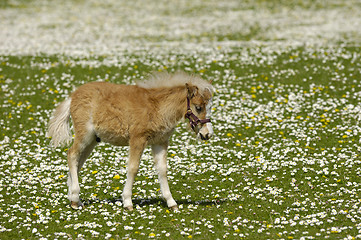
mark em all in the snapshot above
pixel 113 138
pixel 160 137
pixel 117 141
pixel 112 132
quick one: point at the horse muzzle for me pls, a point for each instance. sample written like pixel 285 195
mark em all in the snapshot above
pixel 206 131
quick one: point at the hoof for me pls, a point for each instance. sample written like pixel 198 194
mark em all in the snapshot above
pixel 129 208
pixel 174 208
pixel 76 205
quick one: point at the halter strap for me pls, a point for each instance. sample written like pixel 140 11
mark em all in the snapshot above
pixel 193 119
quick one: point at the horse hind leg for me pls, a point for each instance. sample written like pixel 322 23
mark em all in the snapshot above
pixel 77 155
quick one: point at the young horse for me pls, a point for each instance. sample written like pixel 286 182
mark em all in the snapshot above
pixel 134 115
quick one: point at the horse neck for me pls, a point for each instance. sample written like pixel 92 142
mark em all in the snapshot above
pixel 172 104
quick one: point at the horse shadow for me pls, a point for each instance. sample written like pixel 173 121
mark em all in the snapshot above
pixel 156 201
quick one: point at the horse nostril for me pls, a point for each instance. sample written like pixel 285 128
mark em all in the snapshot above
pixel 205 137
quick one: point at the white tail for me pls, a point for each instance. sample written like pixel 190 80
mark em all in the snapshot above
pixel 59 129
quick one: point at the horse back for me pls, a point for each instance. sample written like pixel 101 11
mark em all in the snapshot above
pixel 113 112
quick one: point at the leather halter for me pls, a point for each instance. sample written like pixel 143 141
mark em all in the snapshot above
pixel 193 119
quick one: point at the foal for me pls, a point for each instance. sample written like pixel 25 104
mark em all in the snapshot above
pixel 134 115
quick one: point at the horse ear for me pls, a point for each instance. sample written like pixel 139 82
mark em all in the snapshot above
pixel 192 90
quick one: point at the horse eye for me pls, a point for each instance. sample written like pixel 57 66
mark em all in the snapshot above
pixel 199 109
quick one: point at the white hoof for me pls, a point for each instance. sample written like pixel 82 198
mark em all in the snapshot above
pixel 129 208
pixel 174 208
pixel 76 205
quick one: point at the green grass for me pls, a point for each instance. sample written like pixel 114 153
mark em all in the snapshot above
pixel 284 162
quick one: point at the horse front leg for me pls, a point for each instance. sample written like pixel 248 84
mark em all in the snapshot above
pixel 160 158
pixel 136 149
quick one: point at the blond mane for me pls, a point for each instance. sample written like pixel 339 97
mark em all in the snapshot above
pixel 165 79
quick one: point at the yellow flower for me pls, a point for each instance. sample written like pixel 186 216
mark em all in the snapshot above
pixel 94 172
pixel 116 177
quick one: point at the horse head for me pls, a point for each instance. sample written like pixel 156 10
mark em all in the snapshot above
pixel 199 107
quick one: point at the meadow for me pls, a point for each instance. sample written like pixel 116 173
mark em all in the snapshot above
pixel 285 159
